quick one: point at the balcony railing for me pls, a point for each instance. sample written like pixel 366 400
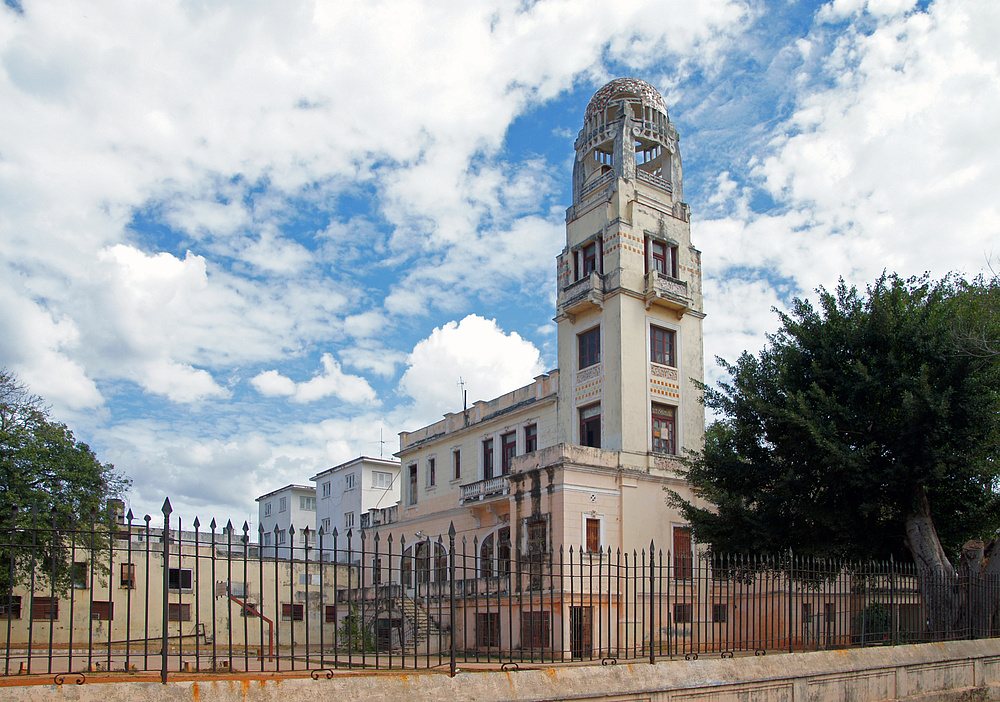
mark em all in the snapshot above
pixel 485 489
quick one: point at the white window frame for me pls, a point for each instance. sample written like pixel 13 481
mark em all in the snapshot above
pixel 267 509
pixel 326 489
pixel 349 481
pixel 348 520
pixel 386 480
pixel 282 504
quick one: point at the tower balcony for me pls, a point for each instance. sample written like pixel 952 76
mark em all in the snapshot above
pixel 581 295
pixel 667 292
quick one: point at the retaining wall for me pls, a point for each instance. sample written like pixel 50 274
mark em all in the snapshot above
pixel 961 670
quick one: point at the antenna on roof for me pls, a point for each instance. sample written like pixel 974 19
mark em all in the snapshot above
pixel 465 395
pixel 381 443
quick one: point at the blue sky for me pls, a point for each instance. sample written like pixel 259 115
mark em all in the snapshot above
pixel 240 241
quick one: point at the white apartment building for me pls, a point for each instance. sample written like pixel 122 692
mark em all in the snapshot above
pixel 355 495
pixel 288 518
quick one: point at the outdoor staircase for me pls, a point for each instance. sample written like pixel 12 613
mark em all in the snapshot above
pixel 422 635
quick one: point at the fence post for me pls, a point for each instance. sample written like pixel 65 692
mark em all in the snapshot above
pixel 652 600
pixel 451 594
pixel 166 587
pixel 791 611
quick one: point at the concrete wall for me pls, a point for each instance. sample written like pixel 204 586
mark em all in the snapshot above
pixel 963 670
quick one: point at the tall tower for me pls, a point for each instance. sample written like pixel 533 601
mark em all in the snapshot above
pixel 629 304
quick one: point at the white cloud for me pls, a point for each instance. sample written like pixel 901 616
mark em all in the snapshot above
pixel 331 382
pixel 474 350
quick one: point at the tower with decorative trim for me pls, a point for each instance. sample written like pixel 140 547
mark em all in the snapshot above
pixel 629 304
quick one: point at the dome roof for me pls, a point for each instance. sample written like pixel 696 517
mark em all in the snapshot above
pixel 632 86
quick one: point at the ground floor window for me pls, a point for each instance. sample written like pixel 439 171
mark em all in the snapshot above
pixel 488 629
pixel 536 630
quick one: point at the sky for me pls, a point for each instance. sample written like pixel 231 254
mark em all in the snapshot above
pixel 245 241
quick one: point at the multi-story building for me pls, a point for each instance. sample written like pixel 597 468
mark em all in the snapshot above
pixel 287 517
pixel 355 495
pixel 586 454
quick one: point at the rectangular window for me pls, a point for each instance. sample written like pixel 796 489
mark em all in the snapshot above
pixel 589 259
pixel 683 557
pixel 325 524
pixel 330 614
pixel 281 536
pixel 682 613
pixel 237 589
pixel 456 463
pixel 80 575
pixel 267 509
pixel 179 579
pixel 326 489
pixel 249 609
pixel 102 611
pixel 663 258
pixel 537 536
pixel 412 468
pixel 531 438
pixel 720 613
pixel 348 520
pixel 44 608
pixel 593 535
pixel 488 458
pixel 661 346
pixel 267 538
pixel 128 576
pixel 307 504
pixel 431 472
pixel 664 429
pixel 309 578
pixel 488 629
pixel 282 504
pixel 589 343
pixel 535 630
pixel 178 612
pixel 12 610
pixel 508 449
pixel 381 480
pixel 590 426
pixel 349 481
pixel 292 612
pixel 829 612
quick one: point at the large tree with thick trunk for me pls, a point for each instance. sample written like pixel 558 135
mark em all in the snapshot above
pixel 868 427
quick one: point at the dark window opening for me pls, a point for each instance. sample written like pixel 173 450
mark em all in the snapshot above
pixel 11 610
pixel 531 438
pixel 456 463
pixel 590 426
pixel 589 347
pixel 508 449
pixel 488 629
pixel 179 579
pixel 720 613
pixel 536 630
pixel 488 458
pixel 128 576
pixel 682 613
pixel 413 484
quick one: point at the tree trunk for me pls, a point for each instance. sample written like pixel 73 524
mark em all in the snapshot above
pixel 934 570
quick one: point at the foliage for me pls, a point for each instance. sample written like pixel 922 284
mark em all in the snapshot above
pixel 353 635
pixel 856 415
pixel 50 484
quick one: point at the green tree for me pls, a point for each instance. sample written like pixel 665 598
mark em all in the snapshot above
pixel 50 485
pixel 868 427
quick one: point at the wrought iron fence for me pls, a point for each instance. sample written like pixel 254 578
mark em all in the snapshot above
pixel 133 596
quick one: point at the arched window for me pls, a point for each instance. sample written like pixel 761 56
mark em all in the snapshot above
pixel 494 554
pixel 422 562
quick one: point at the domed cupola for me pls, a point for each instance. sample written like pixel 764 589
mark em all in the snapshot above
pixel 626 134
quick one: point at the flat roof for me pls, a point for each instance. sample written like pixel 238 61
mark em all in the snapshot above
pixel 384 462
pixel 308 488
